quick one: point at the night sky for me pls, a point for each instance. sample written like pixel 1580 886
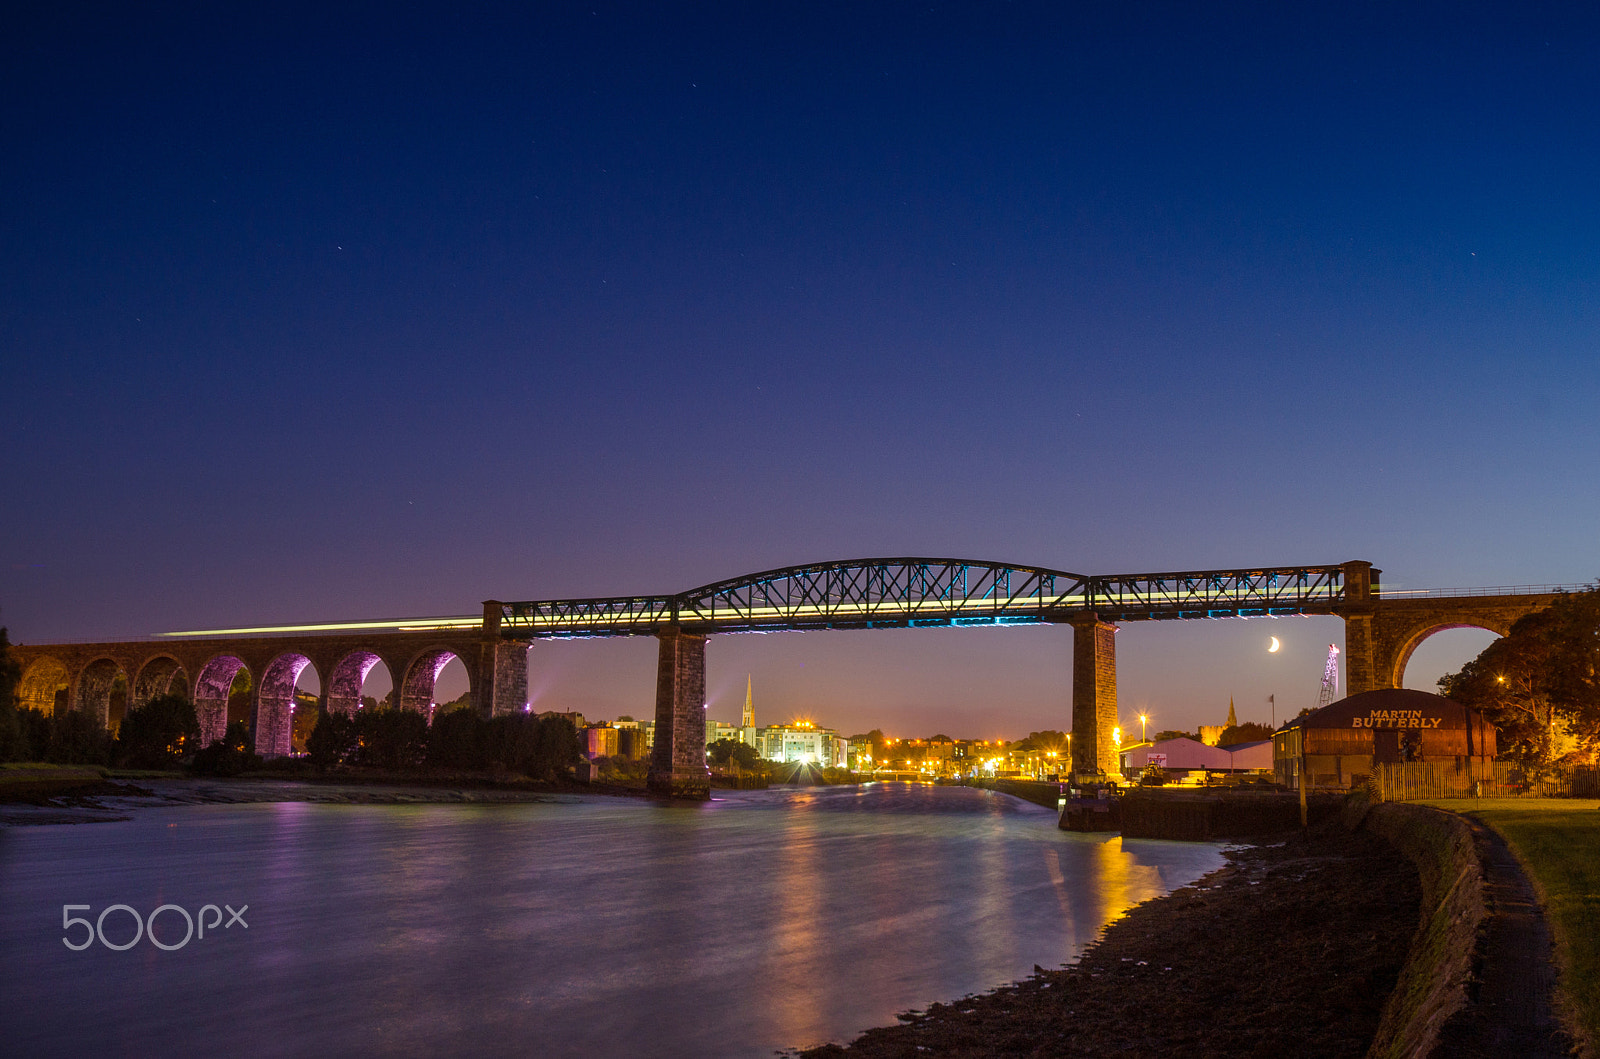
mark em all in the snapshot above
pixel 333 311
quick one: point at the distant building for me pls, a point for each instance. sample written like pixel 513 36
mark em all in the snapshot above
pixel 804 742
pixel 1211 734
pixel 1184 755
pixel 634 739
pixel 600 741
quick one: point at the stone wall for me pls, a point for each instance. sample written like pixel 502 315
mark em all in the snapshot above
pixel 1437 980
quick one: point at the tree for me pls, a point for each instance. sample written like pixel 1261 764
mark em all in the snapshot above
pixel 1248 732
pixel 304 721
pixel 13 735
pixel 159 733
pixel 1540 684
pixel 875 740
pixel 455 740
pixel 10 673
pixel 732 751
pixel 558 748
pixel 1172 733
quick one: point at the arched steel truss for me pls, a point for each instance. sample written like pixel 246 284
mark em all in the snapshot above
pixel 910 592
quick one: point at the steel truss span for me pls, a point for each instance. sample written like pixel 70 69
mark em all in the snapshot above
pixel 911 592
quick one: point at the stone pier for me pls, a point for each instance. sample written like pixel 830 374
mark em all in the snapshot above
pixel 1094 697
pixel 678 758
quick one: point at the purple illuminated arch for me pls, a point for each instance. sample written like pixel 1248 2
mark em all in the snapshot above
pixel 416 689
pixel 211 689
pixel 343 691
pixel 275 704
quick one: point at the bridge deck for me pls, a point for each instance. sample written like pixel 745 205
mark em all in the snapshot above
pixel 908 592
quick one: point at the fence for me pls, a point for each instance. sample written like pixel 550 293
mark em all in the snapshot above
pixel 1417 780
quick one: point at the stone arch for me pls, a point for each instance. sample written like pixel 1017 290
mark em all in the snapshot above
pixel 342 693
pixel 416 687
pixel 275 703
pixel 211 687
pixel 95 682
pixel 161 675
pixel 44 686
pixel 1412 640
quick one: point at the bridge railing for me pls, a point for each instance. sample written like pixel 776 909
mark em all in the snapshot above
pixel 613 616
pixel 1384 592
pixel 1218 592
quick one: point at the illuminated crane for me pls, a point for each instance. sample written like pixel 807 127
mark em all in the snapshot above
pixel 1330 678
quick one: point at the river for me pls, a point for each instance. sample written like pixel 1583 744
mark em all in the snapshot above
pixel 584 926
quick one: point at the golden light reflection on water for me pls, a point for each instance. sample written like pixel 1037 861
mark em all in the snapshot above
pixel 798 953
pixel 1121 881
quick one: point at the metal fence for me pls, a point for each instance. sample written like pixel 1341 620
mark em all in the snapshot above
pixel 1417 780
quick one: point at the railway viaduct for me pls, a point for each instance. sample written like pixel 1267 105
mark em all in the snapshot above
pixel 1382 630
pixel 80 675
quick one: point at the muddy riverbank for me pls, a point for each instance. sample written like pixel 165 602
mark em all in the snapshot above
pixel 1292 949
pixel 118 798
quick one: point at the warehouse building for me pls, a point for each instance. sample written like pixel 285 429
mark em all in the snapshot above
pixel 1341 743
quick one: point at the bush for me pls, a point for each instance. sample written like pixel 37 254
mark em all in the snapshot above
pixel 73 737
pixel 24 735
pixel 623 770
pixel 333 741
pixel 159 733
pixel 558 748
pixel 228 756
pixel 455 740
pixel 13 736
pixel 391 738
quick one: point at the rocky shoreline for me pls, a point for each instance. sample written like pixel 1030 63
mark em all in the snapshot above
pixel 1290 950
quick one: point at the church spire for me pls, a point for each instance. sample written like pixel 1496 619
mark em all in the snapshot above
pixel 1233 722
pixel 748 720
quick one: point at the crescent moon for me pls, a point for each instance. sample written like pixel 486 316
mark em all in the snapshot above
pixel 1273 648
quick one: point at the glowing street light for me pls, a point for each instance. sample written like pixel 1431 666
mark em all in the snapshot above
pixel 1142 720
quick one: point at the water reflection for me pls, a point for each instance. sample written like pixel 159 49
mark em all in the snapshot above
pixel 598 926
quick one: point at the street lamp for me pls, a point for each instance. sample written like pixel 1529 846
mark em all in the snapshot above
pixel 1142 720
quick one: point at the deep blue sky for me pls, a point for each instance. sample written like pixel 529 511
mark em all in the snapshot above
pixel 367 310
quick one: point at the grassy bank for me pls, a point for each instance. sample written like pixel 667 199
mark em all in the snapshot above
pixel 30 780
pixel 1558 842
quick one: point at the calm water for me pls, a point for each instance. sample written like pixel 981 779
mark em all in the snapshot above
pixel 592 927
